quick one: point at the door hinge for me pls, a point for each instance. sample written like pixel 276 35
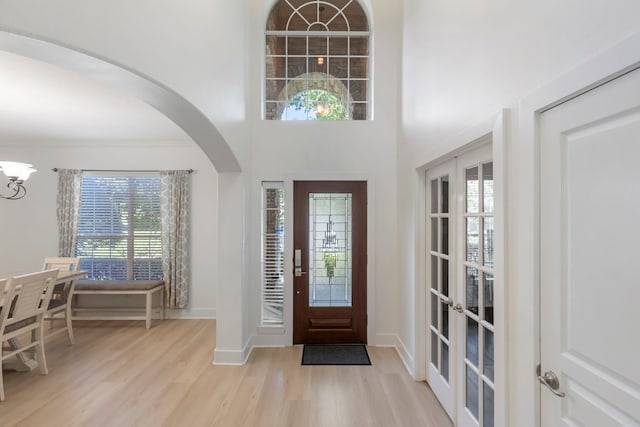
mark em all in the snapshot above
pixel 366 319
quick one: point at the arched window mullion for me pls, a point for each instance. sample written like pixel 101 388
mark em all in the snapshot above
pixel 296 11
pixel 341 12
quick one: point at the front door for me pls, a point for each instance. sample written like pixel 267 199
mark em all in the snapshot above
pixel 589 247
pixel 330 262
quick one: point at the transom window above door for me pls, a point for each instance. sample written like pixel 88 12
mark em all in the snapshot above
pixel 317 61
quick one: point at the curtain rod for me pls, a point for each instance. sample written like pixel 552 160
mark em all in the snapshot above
pixel 120 170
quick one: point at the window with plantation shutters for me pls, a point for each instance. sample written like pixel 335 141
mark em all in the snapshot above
pixel 272 253
pixel 119 231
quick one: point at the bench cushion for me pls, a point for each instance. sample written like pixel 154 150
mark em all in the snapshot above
pixel 118 285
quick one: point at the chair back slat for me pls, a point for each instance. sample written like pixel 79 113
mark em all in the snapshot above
pixel 29 295
pixel 62 263
pixel 4 291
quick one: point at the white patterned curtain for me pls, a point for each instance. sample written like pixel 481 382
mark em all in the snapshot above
pixel 174 212
pixel 68 210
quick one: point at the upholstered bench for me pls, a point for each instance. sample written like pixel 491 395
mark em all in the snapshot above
pixel 120 287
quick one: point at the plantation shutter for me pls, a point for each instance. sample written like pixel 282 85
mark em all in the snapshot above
pixel 119 230
pixel 273 254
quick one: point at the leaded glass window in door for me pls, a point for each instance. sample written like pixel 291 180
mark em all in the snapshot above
pixel 330 258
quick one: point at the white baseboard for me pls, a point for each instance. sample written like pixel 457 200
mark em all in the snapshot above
pixel 233 357
pixel 191 313
pixel 393 340
pixel 406 357
pixel 266 338
pixel 386 340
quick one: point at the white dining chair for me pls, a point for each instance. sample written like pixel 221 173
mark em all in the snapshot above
pixel 24 303
pixel 62 295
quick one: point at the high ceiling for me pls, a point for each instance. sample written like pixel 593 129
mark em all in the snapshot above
pixel 42 102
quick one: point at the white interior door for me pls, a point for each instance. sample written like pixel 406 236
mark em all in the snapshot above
pixel 590 244
pixel 440 244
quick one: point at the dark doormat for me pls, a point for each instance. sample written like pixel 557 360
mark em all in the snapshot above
pixel 335 354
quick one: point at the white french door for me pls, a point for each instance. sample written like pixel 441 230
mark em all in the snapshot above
pixel 589 247
pixel 460 275
pixel 476 289
pixel 440 211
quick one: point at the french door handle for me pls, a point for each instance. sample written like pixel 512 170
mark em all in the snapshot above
pixel 550 381
pixel 458 308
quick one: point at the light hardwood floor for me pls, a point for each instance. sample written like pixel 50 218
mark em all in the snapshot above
pixel 121 374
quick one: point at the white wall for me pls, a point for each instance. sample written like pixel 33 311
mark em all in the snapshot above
pixel 463 61
pixel 29 227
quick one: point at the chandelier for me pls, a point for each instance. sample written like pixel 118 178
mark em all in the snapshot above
pixel 17 173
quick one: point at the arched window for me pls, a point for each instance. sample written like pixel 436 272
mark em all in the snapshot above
pixel 317 61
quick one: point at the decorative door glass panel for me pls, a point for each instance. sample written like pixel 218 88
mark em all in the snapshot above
pixel 330 269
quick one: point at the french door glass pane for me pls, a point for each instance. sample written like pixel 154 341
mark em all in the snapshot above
pixel 472 241
pixel 445 319
pixel 445 195
pixel 487 362
pixel 472 341
pixel 473 190
pixel 487 405
pixel 444 354
pixel 434 196
pixel 488 297
pixel 445 277
pixel 434 310
pixel 472 392
pixel 330 217
pixel 434 272
pixel 434 234
pixel 472 290
pixel 488 224
pixel 487 186
pixel 434 349
pixel 445 235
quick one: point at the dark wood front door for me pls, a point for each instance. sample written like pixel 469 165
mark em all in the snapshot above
pixel 330 262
